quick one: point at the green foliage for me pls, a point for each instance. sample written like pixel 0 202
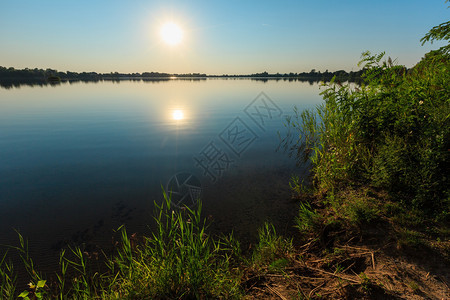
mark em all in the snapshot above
pixel 308 219
pixel 440 32
pixel 272 250
pixel 180 260
pixel 414 286
pixel 361 212
pixel 355 206
pixel 338 269
pixel 366 283
pixel 36 291
pixel 278 265
pixel 392 131
pixel 298 188
pixel 7 279
pixel 409 238
pixel 326 137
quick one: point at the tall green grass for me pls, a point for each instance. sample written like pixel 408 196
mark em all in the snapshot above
pixel 7 278
pixel 273 252
pixel 179 260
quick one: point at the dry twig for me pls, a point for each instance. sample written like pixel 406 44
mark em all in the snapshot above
pixel 332 274
pixel 276 292
pixel 373 261
pixel 312 291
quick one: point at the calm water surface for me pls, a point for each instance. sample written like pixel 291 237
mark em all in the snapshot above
pixel 78 160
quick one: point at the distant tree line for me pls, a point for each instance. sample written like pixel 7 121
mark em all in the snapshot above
pixel 41 76
pixel 313 75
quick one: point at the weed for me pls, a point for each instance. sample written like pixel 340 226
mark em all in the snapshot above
pixel 366 283
pixel 179 260
pixel 36 291
pixel 308 219
pixel 272 249
pixel 414 286
pixel 410 238
pixel 338 269
pixel 7 278
pixel 278 265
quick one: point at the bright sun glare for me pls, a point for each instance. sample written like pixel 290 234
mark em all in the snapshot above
pixel 177 114
pixel 171 33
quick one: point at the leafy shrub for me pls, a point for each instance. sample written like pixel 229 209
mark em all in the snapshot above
pixel 392 131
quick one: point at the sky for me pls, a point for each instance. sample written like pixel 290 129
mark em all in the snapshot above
pixel 218 37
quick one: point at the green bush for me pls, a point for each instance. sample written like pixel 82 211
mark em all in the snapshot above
pixel 392 131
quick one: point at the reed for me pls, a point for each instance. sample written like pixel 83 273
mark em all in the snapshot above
pixel 179 260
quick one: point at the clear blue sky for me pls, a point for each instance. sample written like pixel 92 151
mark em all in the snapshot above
pixel 234 37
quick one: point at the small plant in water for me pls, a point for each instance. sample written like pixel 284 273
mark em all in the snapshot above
pixel 36 291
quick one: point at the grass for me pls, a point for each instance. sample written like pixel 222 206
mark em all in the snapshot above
pixel 7 278
pixel 308 219
pixel 180 260
pixel 272 252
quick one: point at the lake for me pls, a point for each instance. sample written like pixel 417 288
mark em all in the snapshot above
pixel 77 160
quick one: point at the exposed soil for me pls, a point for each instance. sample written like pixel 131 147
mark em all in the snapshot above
pixel 372 263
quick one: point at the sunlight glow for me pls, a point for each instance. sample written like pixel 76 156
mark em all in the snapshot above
pixel 171 33
pixel 177 115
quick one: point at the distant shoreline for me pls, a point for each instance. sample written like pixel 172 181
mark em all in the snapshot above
pixel 11 76
pixel 16 83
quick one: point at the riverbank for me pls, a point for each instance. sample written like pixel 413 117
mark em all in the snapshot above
pixel 370 249
pixel 383 253
pixel 377 203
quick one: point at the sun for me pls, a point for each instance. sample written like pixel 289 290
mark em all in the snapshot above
pixel 177 114
pixel 171 33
